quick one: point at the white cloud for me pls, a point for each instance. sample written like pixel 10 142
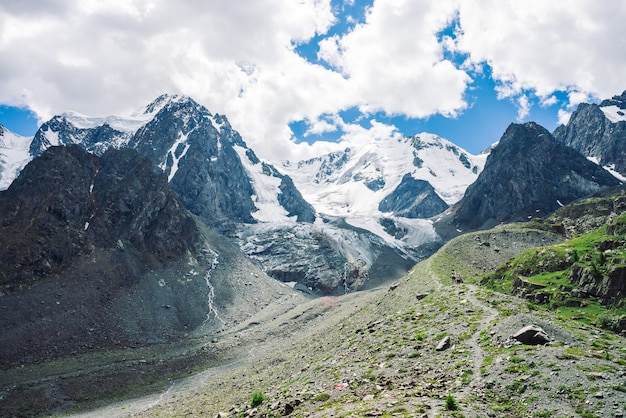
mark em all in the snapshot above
pixel 238 58
pixel 564 116
pixel 546 46
pixel 395 63
pixel 523 108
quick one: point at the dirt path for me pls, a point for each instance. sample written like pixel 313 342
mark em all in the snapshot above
pixel 477 354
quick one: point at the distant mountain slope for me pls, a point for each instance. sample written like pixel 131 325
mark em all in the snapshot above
pixel 354 182
pixel 599 132
pixel 97 253
pixel 527 174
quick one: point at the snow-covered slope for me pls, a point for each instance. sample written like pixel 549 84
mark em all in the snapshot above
pixel 13 155
pixel 354 182
pixel 614 113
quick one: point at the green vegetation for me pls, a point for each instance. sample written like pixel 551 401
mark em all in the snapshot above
pixel 322 397
pixel 257 399
pixel 550 277
pixel 451 403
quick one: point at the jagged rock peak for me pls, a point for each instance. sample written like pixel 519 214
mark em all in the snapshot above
pixel 528 174
pixel 599 132
pixel 619 101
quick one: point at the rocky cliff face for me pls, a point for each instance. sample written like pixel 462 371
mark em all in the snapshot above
pixel 599 132
pixel 413 198
pixel 528 174
pixel 83 240
pixel 196 151
pixel 97 253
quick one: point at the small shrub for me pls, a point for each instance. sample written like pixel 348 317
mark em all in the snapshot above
pixel 451 404
pixel 322 397
pixel 257 399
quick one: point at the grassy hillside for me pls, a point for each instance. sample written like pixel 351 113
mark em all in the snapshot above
pixel 583 278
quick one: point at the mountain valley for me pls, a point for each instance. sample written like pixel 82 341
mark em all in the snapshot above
pixel 154 265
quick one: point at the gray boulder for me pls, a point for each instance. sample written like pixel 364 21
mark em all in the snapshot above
pixel 444 344
pixel 532 335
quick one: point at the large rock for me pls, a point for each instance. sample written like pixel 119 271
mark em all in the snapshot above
pixel 532 335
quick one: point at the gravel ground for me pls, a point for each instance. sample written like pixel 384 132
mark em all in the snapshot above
pixel 375 353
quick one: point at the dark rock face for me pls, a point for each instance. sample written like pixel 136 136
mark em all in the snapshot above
pixel 619 101
pixel 592 134
pixel 94 248
pixel 290 197
pixel 413 198
pixel 527 174
pixel 609 288
pixel 201 164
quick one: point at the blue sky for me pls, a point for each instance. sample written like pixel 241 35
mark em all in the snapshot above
pixel 298 79
pixel 21 121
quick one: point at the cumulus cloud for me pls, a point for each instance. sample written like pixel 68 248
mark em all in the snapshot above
pixel 237 58
pixel 541 46
pixel 240 58
pixel 395 62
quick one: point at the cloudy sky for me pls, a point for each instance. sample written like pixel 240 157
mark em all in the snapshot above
pixel 295 77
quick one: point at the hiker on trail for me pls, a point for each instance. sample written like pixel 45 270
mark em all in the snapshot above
pixel 454 276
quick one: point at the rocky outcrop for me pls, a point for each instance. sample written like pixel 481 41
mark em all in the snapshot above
pixel 413 198
pixel 531 335
pixel 592 133
pixel 528 174
pixel 96 253
pixel 609 286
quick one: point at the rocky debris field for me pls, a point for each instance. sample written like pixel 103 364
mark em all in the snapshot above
pixel 376 354
pixel 423 346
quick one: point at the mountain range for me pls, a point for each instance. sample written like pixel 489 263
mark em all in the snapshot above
pixel 359 215
pixel 351 219
pixel 164 226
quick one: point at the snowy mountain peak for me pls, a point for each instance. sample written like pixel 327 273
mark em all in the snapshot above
pixel 355 181
pixel 615 108
pixel 166 101
pixel 119 123
pixel 155 106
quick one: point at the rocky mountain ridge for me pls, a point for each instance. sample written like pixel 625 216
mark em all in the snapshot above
pixel 598 132
pixel 528 174
pixel 361 214
pixel 217 177
pixel 98 254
